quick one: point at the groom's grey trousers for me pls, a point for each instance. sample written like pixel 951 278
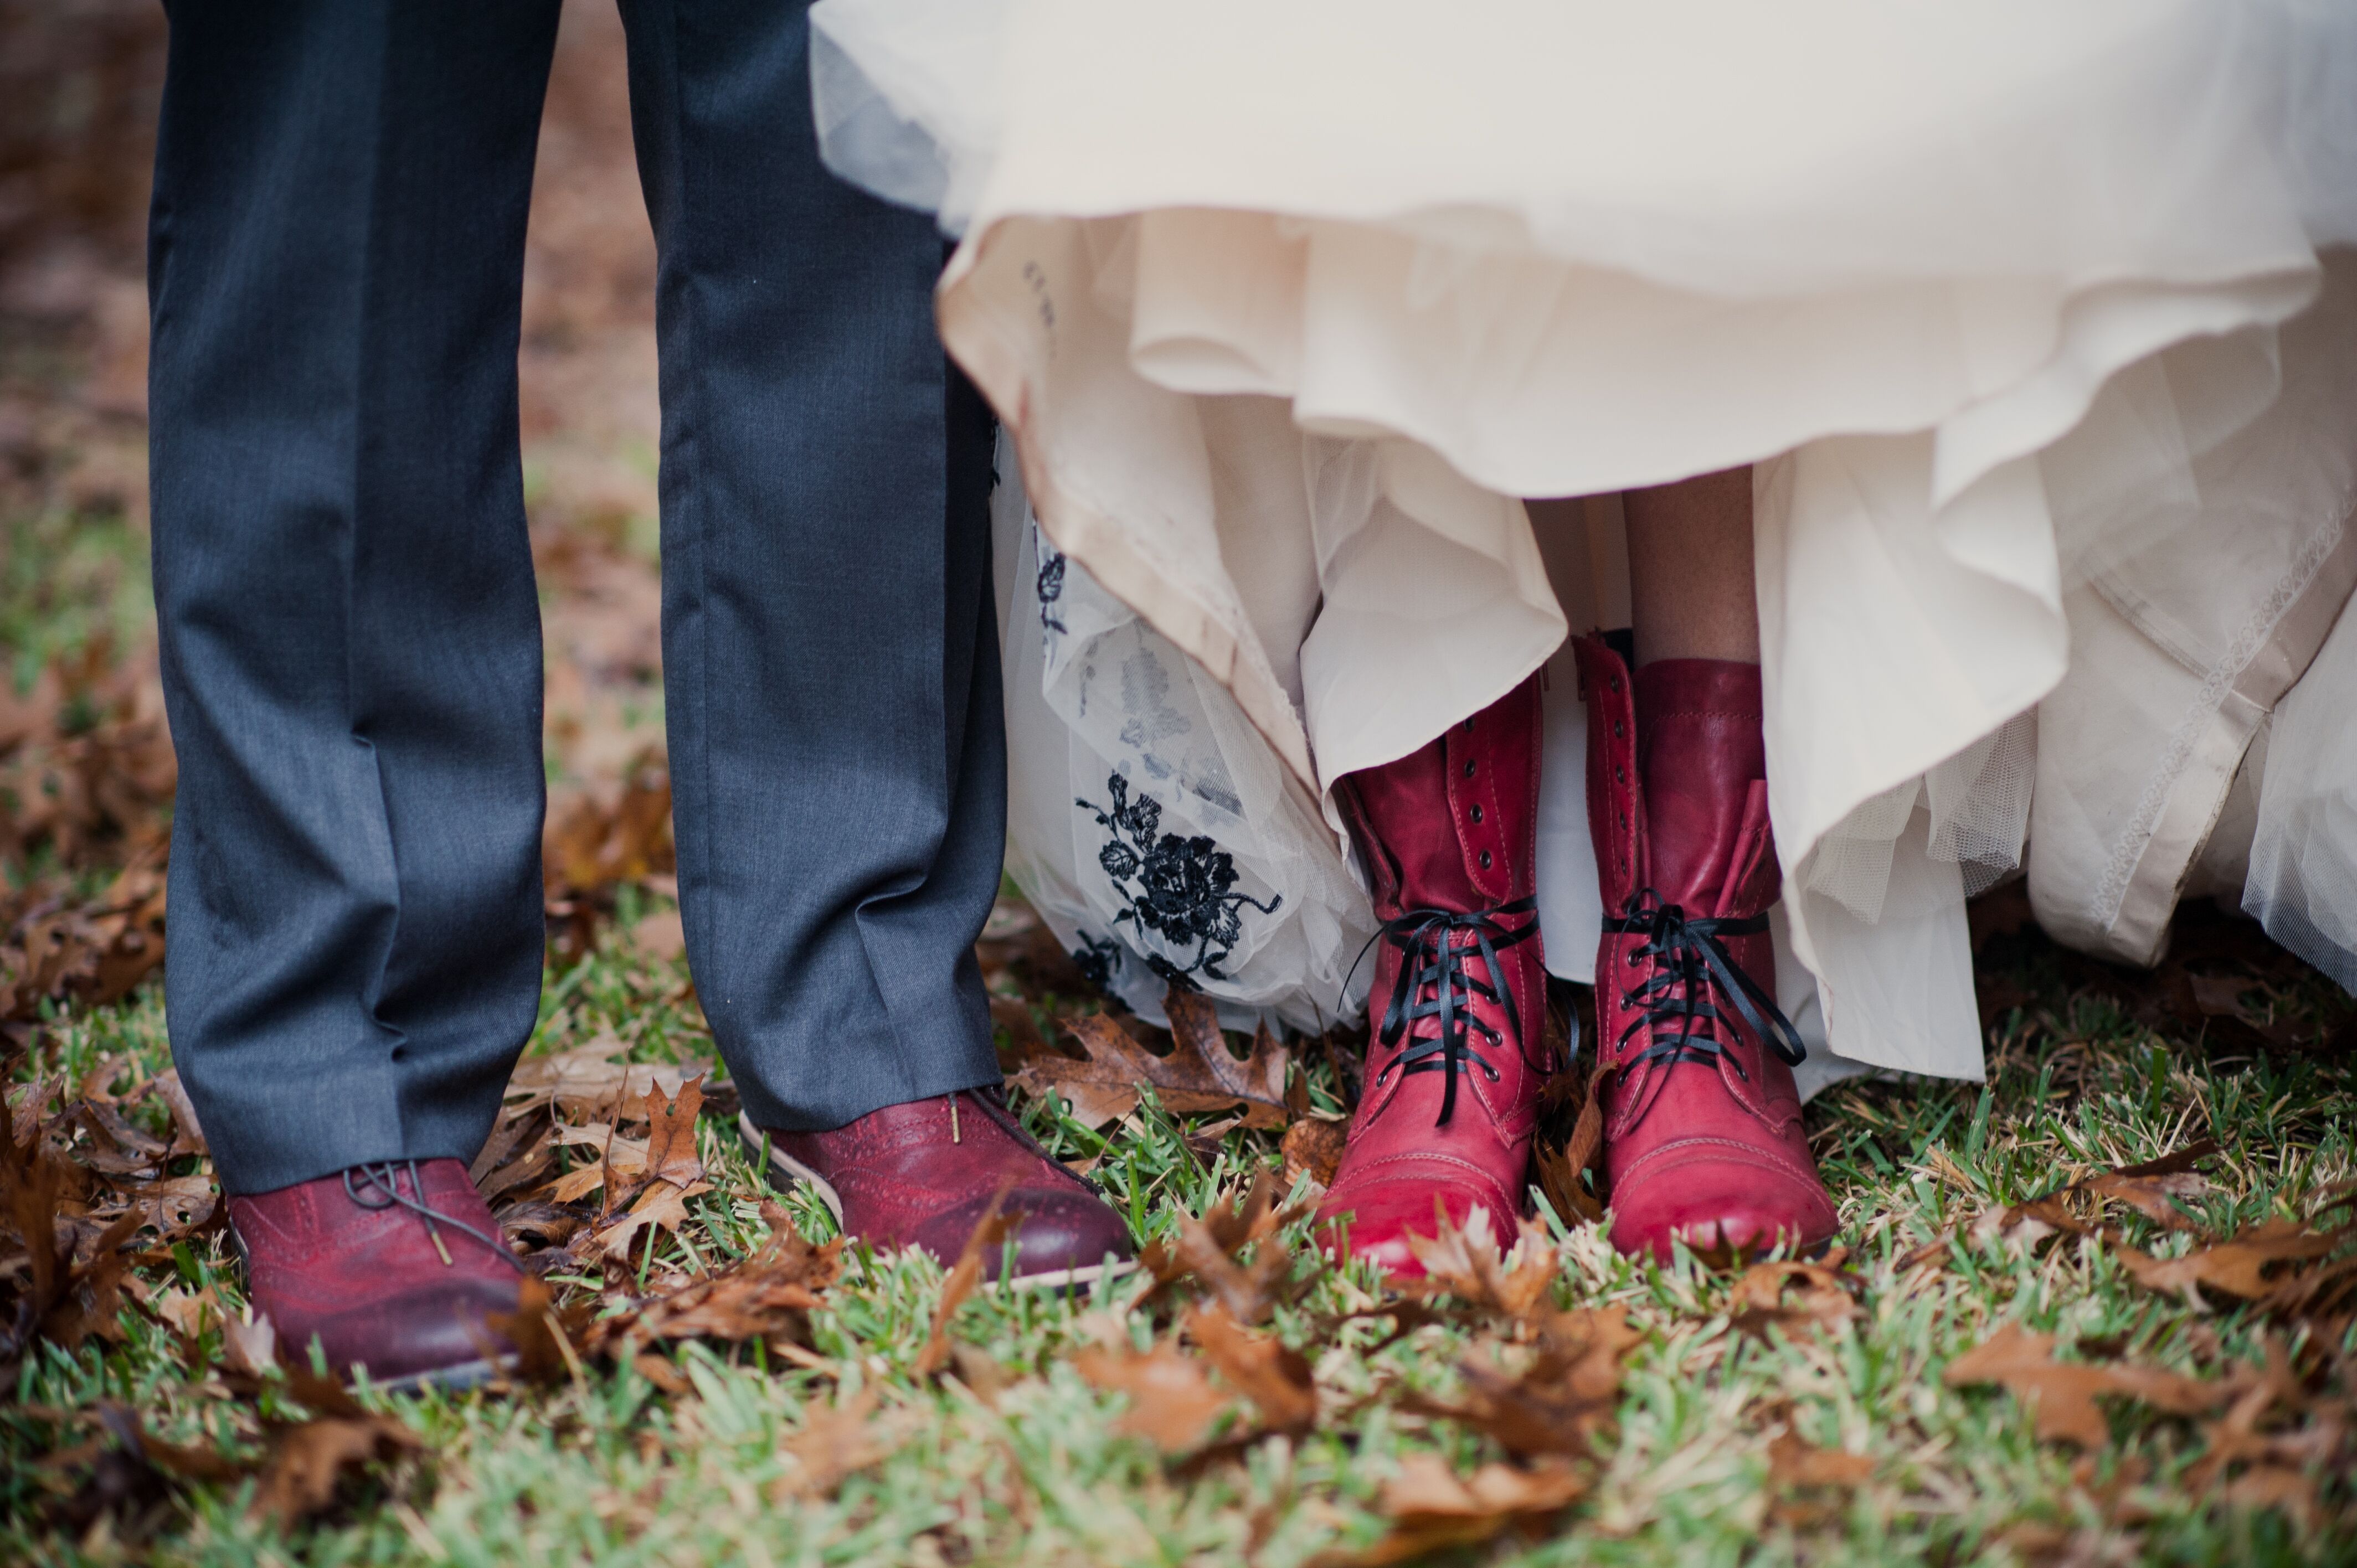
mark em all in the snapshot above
pixel 350 632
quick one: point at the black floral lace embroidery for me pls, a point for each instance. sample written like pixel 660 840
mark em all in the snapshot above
pixel 1181 889
pixel 1051 585
pixel 1098 958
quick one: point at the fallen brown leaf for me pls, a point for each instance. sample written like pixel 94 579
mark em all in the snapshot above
pixel 1172 1403
pixel 1561 1400
pixel 663 1206
pixel 308 1460
pixel 1791 1293
pixel 671 1140
pixel 1200 1074
pixel 2061 1395
pixel 1260 1366
pixel 544 1350
pixel 1312 1148
pixel 1792 1462
pixel 1468 1264
pixel 2236 1268
pixel 1205 1250
pixel 835 1443
pixel 988 1237
pixel 1431 1509
pixel 763 1296
pixel 589 1080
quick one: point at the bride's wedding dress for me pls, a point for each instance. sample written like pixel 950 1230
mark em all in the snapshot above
pixel 2028 317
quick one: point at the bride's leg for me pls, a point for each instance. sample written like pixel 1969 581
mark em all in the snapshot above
pixel 1690 589
pixel 1703 1141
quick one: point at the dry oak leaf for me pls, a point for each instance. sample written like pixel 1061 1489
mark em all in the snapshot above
pixel 1468 1264
pixel 1562 1399
pixel 588 1080
pixel 544 1350
pixel 2236 1268
pixel 1199 1075
pixel 671 1138
pixel 989 1236
pixel 835 1442
pixel 760 1297
pixel 308 1461
pixel 662 1206
pixel 188 1135
pixel 2061 1395
pixel 1205 1250
pixel 1172 1403
pixel 1789 1293
pixel 1260 1366
pixel 1430 1508
pixel 1794 1462
pixel 1313 1148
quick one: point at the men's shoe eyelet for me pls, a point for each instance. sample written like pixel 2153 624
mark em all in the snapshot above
pixel 1468 767
pixel 1485 860
pixel 1477 813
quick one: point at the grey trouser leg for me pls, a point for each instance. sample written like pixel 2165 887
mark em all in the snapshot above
pixel 350 630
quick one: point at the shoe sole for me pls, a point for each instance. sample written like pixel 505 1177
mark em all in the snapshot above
pixel 1053 1279
pixel 450 1379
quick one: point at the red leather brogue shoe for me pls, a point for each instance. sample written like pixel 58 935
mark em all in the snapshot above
pixel 1456 1063
pixel 396 1268
pixel 925 1174
pixel 1703 1139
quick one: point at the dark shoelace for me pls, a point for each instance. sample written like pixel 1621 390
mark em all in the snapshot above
pixel 379 1187
pixel 1436 948
pixel 1691 960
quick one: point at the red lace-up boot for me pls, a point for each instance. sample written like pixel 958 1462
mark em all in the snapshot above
pixel 1455 1065
pixel 396 1267
pixel 1702 1127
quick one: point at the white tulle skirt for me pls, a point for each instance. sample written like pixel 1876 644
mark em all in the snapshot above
pixel 2026 316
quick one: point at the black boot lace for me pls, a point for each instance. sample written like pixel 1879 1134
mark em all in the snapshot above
pixel 1437 947
pixel 377 1186
pixel 1690 961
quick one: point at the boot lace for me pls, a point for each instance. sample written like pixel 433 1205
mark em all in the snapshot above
pixel 1690 962
pixel 377 1186
pixel 1438 948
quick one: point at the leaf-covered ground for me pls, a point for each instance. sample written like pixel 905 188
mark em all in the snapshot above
pixel 2099 1310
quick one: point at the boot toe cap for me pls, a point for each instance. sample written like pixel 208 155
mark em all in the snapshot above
pixel 1059 1236
pixel 435 1332
pixel 1374 1218
pixel 1717 1200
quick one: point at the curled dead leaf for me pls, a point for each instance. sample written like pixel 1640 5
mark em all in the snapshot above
pixel 2061 1395
pixel 1273 1375
pixel 1431 1509
pixel 1200 1074
pixel 1172 1403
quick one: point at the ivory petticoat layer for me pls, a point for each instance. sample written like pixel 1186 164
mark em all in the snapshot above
pixel 2024 314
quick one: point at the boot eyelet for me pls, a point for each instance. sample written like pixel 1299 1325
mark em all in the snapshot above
pixel 1617 731
pixel 1616 684
pixel 1619 776
pixel 1468 767
pixel 1485 860
pixel 1477 813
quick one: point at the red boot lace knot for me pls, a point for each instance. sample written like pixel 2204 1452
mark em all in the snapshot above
pixel 1436 980
pixel 1689 962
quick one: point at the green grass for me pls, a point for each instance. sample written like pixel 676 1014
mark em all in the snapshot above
pixel 610 1470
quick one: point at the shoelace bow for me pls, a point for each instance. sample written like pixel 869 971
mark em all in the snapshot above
pixel 379 1187
pixel 1691 960
pixel 1437 949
